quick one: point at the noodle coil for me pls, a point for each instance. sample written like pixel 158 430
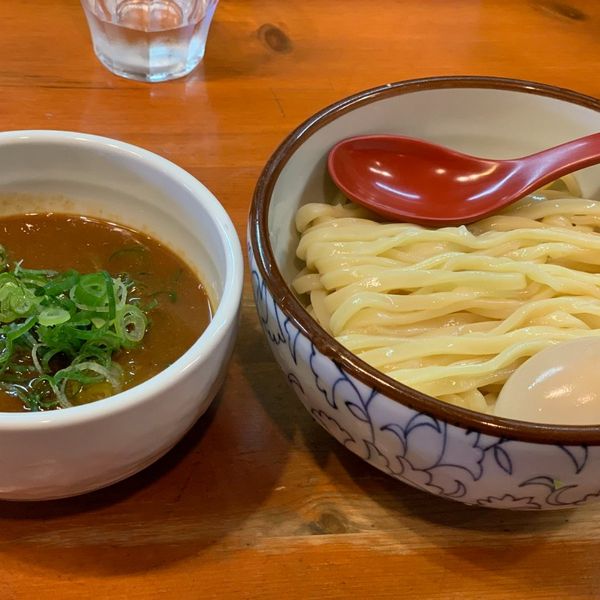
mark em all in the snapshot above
pixel 454 311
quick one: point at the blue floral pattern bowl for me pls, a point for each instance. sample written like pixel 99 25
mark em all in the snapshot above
pixel 442 449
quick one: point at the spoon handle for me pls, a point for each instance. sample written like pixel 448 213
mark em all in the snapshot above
pixel 566 158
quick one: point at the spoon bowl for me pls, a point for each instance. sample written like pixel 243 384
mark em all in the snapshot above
pixel 409 179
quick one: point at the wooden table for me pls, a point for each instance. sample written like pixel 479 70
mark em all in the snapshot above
pixel 257 501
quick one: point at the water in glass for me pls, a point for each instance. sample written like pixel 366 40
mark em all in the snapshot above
pixel 150 40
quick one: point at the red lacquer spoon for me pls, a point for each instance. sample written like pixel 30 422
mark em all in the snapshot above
pixel 407 179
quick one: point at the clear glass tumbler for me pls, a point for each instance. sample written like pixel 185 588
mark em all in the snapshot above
pixel 149 40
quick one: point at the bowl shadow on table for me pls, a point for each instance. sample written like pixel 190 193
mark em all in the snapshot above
pixel 171 511
pixel 60 534
pixel 280 404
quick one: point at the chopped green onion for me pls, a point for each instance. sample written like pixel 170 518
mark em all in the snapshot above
pixel 59 332
pixel 61 283
pixel 137 251
pixel 170 294
pixel 131 324
pixel 53 315
pixel 110 294
pixel 16 330
pixel 89 293
pixel 16 300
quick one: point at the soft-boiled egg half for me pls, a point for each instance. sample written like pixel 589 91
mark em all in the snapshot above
pixel 560 385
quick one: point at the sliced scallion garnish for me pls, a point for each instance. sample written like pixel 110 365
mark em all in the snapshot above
pixel 59 332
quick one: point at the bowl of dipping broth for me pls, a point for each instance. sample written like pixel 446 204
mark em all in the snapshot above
pixel 120 286
pixel 444 357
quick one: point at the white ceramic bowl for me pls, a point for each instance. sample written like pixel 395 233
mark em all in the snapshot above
pixel 442 449
pixel 61 453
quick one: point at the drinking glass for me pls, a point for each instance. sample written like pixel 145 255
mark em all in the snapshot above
pixel 149 40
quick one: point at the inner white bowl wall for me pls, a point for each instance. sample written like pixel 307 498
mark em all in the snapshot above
pixel 490 123
pixel 118 188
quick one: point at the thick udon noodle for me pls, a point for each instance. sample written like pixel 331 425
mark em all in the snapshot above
pixel 453 311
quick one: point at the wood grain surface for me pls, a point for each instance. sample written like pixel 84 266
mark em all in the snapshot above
pixel 257 501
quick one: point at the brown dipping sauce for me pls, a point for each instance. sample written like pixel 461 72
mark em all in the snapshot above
pixel 60 242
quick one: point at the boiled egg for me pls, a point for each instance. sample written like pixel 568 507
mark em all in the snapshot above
pixel 559 385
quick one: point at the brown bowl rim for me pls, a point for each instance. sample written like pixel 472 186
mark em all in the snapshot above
pixel 326 344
